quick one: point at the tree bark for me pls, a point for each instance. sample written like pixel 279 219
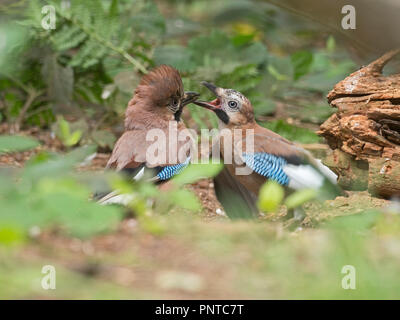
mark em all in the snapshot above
pixel 367 128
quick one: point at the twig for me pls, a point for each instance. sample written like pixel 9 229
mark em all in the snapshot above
pixel 18 83
pixel 37 111
pixel 32 95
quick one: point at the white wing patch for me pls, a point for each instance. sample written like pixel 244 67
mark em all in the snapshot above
pixel 303 177
pixel 116 198
pixel 306 176
pixel 139 175
pixel 327 172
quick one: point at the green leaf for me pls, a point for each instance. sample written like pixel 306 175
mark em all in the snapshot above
pixel 184 199
pixel 64 133
pixel 81 217
pixel 242 39
pixel 64 128
pixel 330 44
pixel 301 61
pixel 114 10
pixel 16 143
pixel 271 196
pixel 299 197
pixel 66 185
pixel 13 40
pixel 68 37
pixel 74 138
pixel 11 235
pixel 195 172
pixel 57 165
pixel 52 204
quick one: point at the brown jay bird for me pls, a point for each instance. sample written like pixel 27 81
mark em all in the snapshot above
pixel 271 157
pixel 156 107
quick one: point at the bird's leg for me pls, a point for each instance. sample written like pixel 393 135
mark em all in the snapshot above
pixel 294 218
pixel 299 214
pixel 289 214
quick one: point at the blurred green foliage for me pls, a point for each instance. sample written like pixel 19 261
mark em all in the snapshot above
pixel 292 132
pixel 68 138
pixel 47 194
pixel 271 196
pixel 88 66
pixel 16 143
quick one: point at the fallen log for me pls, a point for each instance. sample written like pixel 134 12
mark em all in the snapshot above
pixel 365 131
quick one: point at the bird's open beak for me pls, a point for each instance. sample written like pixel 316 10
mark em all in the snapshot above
pixel 214 105
pixel 189 97
pixel 211 105
pixel 210 86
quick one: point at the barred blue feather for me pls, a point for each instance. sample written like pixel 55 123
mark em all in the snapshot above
pixel 169 171
pixel 267 165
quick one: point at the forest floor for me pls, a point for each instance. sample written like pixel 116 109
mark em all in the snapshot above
pixel 197 256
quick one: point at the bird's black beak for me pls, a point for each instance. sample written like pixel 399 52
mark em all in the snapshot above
pixel 212 105
pixel 189 97
pixel 210 86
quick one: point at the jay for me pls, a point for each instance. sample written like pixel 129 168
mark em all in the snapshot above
pixel 157 104
pixel 271 157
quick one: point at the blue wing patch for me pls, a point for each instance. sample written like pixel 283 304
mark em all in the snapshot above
pixel 267 165
pixel 169 171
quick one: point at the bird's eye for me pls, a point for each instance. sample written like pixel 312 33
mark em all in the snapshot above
pixel 232 104
pixel 175 102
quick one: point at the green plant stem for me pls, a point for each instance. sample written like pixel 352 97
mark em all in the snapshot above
pixel 106 43
pixel 37 111
pixel 32 95
pixel 18 83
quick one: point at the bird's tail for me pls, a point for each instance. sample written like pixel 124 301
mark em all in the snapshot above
pixel 313 174
pixel 116 198
pixel 329 188
pixel 237 201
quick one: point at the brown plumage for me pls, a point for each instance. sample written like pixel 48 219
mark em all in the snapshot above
pixel 157 100
pixel 241 116
pixel 269 157
pixel 155 91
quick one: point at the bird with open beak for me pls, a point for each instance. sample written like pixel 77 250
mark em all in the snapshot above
pixel 157 104
pixel 271 157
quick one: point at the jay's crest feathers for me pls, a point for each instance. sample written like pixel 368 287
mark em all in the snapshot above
pixel 158 91
pixel 156 105
pixel 157 102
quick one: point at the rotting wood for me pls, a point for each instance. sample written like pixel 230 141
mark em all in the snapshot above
pixel 366 127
